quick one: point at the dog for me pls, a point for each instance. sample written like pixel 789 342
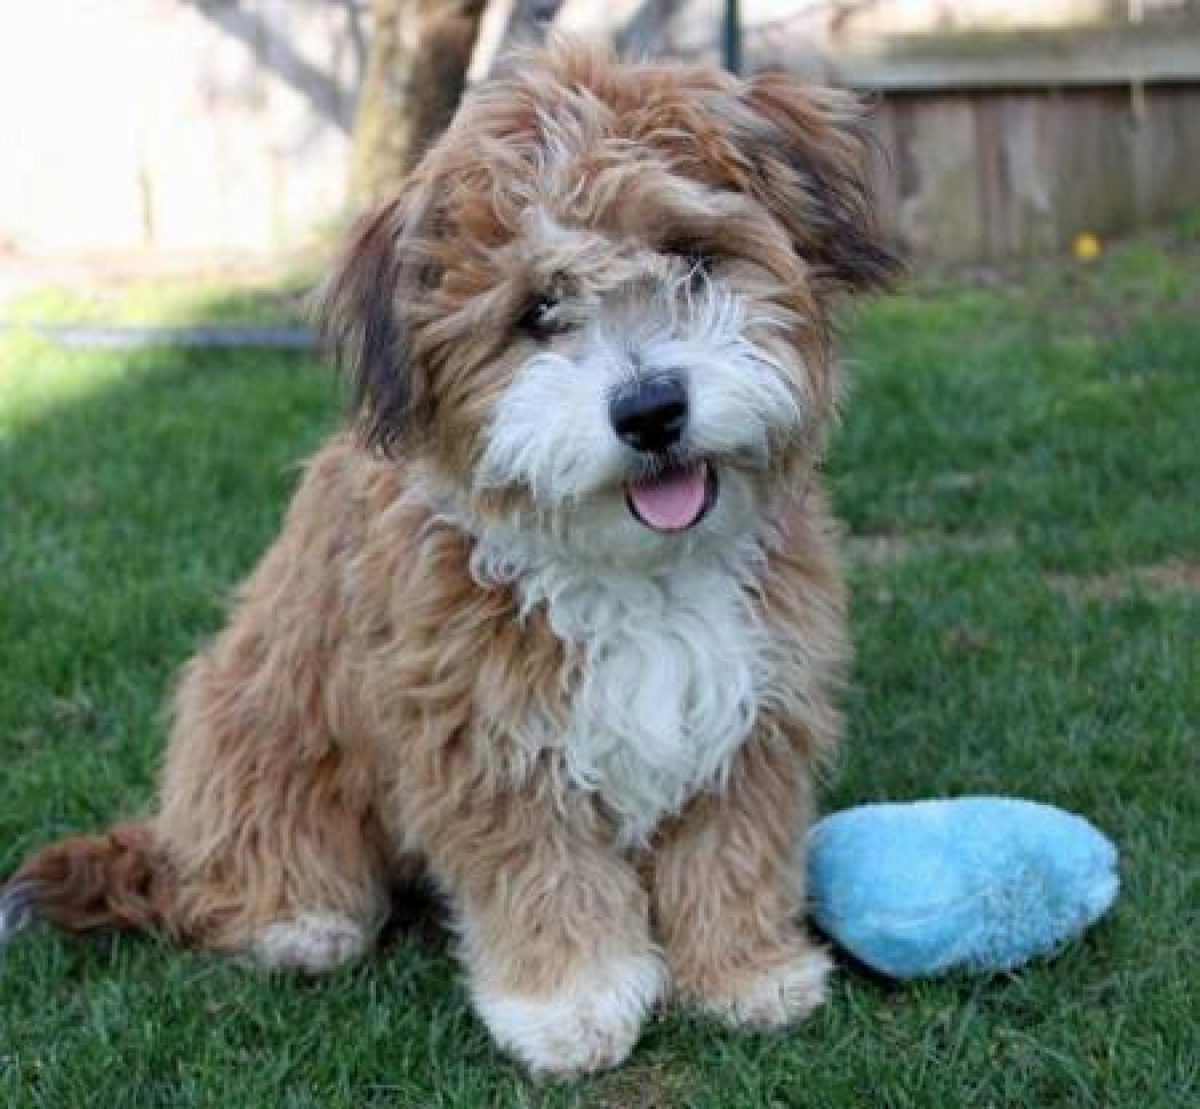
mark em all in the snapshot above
pixel 556 621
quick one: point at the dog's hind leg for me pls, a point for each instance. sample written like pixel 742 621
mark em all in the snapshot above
pixel 265 845
pixel 270 823
pixel 265 841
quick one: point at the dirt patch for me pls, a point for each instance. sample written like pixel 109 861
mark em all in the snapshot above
pixel 643 1085
pixel 878 550
pixel 1168 579
pixel 886 550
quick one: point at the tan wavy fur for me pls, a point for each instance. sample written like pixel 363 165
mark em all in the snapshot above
pixel 400 688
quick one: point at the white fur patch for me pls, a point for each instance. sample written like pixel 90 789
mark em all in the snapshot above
pixel 787 993
pixel 669 666
pixel 669 689
pixel 311 942
pixel 589 1026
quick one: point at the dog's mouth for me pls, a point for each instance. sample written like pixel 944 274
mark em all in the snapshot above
pixel 674 500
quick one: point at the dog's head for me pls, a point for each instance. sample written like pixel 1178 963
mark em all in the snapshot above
pixel 599 309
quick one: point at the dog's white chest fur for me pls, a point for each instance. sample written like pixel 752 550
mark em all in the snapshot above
pixel 670 673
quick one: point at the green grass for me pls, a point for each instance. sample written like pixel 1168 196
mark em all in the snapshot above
pixel 1009 442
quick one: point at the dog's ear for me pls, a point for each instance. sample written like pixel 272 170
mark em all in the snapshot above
pixel 361 312
pixel 805 151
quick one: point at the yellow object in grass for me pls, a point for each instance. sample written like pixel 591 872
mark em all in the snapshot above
pixel 1087 246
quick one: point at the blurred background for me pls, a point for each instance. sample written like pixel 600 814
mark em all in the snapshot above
pixel 169 127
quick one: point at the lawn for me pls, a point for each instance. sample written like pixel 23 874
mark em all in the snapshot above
pixel 1018 469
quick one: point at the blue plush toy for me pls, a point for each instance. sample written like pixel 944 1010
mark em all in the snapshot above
pixel 980 883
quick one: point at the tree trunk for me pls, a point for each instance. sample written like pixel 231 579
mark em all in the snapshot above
pixel 420 51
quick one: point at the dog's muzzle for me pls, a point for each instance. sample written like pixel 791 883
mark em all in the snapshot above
pixel 651 416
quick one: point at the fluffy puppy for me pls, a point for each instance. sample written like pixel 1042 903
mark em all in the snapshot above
pixel 558 621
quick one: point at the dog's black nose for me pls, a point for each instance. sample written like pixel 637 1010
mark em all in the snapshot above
pixel 650 415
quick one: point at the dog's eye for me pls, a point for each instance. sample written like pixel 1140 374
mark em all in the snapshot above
pixel 542 317
pixel 700 260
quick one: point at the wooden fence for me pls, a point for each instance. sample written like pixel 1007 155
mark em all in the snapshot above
pixel 1010 145
pixel 995 143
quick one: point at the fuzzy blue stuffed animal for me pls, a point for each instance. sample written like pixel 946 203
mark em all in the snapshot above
pixel 979 883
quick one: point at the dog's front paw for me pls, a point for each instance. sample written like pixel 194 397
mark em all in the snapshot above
pixel 589 1026
pixel 786 993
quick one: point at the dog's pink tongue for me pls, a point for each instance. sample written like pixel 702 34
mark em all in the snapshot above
pixel 672 502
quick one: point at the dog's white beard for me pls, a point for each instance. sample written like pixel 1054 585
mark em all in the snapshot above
pixel 551 433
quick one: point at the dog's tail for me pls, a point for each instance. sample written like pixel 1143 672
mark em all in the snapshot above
pixel 118 880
